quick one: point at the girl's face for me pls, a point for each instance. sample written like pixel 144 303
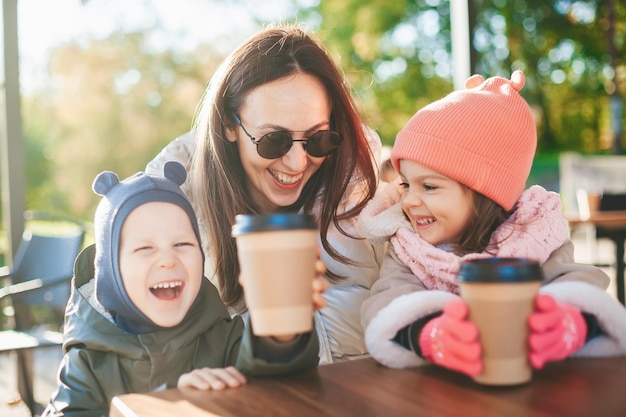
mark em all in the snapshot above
pixel 439 208
pixel 160 262
pixel 298 104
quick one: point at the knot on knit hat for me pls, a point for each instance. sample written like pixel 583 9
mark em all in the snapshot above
pixel 120 198
pixel 483 137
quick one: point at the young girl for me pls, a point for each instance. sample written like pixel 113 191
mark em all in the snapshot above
pixel 463 163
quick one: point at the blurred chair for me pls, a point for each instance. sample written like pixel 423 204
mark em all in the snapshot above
pixel 38 287
pixel 589 203
pixel 615 202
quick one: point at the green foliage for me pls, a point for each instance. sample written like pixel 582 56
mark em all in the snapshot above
pixel 112 104
pixel 388 56
pixel 545 171
pixel 561 45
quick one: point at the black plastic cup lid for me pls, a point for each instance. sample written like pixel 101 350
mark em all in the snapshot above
pixel 500 270
pixel 251 223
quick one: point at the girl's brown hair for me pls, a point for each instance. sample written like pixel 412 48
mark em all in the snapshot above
pixel 217 183
pixel 488 215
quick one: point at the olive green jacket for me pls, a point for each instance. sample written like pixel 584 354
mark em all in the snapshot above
pixel 101 360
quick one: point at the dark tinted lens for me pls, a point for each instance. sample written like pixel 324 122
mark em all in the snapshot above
pixel 323 143
pixel 274 145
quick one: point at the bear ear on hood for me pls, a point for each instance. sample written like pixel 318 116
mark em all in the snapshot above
pixel 104 182
pixel 174 171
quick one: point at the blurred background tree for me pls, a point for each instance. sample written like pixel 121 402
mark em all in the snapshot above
pixel 398 57
pixel 113 102
pixel 110 106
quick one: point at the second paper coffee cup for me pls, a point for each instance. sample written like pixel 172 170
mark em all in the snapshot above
pixel 500 294
pixel 277 255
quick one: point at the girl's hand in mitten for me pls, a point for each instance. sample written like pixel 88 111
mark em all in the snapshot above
pixel 556 331
pixel 451 340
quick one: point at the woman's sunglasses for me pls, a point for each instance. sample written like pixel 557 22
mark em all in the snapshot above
pixel 276 144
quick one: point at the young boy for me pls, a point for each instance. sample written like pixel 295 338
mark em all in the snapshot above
pixel 141 313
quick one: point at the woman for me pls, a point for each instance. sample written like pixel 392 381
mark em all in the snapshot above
pixel 278 131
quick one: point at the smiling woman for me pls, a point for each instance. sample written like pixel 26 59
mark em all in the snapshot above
pixel 281 85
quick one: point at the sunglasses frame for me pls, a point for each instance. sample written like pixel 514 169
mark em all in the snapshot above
pixel 305 140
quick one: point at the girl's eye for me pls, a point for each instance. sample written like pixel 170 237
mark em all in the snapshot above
pixel 404 184
pixel 429 187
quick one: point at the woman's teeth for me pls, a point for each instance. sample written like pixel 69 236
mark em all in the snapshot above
pixel 286 179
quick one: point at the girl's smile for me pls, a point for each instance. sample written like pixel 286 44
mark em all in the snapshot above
pixel 439 208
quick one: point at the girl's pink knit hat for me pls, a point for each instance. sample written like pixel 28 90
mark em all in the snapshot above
pixel 483 137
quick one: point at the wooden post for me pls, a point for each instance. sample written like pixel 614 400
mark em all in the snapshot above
pixel 12 165
pixel 459 28
pixel 11 138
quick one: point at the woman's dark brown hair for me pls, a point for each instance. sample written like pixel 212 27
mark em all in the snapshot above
pixel 217 180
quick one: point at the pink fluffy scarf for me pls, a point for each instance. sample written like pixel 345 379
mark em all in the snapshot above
pixel 534 230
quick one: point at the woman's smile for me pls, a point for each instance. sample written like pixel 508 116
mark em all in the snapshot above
pixel 285 179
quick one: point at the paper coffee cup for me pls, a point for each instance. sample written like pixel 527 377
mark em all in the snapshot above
pixel 277 255
pixel 500 294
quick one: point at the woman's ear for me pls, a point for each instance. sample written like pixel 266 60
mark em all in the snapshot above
pixel 231 133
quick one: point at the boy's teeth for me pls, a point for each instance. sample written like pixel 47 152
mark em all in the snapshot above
pixel 167 290
pixel 168 284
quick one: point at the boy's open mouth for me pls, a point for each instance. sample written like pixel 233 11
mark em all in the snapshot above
pixel 167 290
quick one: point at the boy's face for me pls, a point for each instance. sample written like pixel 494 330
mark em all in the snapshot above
pixel 160 262
pixel 439 208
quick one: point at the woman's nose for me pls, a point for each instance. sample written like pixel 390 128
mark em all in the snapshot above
pixel 297 157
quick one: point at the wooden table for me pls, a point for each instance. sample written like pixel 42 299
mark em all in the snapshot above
pixel 363 388
pixel 614 222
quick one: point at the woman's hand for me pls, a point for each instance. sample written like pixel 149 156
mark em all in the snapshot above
pixel 320 285
pixel 212 379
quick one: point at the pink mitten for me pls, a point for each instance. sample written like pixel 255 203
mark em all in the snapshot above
pixel 451 340
pixel 556 331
